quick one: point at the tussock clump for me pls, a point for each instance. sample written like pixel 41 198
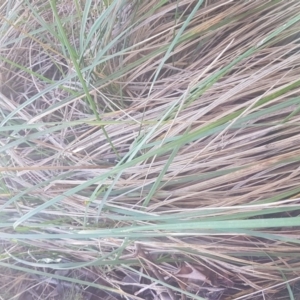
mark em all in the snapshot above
pixel 150 150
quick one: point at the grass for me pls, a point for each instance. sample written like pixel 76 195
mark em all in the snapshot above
pixel 149 150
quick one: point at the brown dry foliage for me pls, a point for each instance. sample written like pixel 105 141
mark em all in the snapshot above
pixel 241 167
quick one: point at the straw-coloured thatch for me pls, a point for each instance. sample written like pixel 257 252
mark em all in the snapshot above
pixel 152 146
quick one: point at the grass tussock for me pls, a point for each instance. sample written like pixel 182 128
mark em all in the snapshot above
pixel 150 149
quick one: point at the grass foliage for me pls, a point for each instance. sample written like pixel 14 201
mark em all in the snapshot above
pixel 150 149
